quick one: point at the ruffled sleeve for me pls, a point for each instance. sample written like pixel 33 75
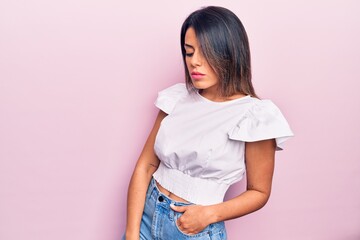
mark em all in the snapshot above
pixel 262 121
pixel 168 97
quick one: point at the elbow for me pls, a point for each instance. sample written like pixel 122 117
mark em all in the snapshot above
pixel 261 195
pixel 260 198
pixel 263 199
pixel 145 169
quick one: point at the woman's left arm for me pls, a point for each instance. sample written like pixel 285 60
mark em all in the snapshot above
pixel 260 157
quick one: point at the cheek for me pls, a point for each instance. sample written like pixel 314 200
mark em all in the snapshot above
pixel 188 65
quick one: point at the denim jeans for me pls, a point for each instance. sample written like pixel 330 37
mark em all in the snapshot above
pixel 159 220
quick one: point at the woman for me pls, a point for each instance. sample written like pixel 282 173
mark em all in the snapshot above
pixel 209 132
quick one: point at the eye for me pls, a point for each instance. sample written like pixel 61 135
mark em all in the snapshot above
pixel 189 54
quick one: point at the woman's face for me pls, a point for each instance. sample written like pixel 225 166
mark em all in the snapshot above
pixel 201 73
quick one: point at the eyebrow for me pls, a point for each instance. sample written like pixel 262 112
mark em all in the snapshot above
pixel 188 45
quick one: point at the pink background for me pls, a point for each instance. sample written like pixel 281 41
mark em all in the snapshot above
pixel 77 85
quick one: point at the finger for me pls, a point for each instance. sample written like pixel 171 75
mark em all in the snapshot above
pixel 178 223
pixel 178 208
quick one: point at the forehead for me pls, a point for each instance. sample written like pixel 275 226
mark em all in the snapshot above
pixel 190 37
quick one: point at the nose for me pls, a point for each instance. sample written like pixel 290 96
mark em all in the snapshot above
pixel 196 59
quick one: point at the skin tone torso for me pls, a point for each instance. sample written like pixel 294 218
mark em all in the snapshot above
pixel 170 194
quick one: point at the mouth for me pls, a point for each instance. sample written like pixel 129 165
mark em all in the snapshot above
pixel 197 75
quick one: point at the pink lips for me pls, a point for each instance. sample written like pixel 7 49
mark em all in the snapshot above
pixel 197 75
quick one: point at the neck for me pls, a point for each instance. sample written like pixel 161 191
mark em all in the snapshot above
pixel 216 97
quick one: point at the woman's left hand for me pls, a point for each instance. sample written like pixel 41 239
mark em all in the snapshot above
pixel 194 219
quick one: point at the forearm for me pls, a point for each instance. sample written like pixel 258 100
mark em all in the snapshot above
pixel 136 200
pixel 145 167
pixel 260 158
pixel 247 202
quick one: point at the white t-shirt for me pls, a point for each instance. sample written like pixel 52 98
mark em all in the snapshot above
pixel 201 143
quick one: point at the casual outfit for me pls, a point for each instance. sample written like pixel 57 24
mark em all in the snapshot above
pixel 201 146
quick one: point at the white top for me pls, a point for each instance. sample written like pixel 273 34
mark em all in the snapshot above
pixel 201 143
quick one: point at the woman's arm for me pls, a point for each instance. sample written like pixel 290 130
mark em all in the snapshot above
pixel 260 158
pixel 145 167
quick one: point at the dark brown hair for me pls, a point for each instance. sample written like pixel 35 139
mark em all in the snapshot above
pixel 224 43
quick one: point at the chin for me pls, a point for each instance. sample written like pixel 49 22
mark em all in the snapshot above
pixel 200 85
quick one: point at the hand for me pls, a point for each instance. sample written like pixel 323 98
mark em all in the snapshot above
pixel 195 218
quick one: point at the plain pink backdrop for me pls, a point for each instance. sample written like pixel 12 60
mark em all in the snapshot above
pixel 77 84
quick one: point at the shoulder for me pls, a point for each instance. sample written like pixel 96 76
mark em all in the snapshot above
pixel 264 108
pixel 262 120
pixel 175 89
pixel 168 97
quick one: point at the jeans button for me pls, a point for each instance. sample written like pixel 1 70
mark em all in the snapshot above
pixel 161 198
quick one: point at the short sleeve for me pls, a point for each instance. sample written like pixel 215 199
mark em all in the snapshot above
pixel 167 98
pixel 262 121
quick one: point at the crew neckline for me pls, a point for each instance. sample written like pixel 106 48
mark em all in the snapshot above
pixel 223 102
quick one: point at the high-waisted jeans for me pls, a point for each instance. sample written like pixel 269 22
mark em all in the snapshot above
pixel 159 220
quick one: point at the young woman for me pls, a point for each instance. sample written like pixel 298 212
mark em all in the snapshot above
pixel 209 132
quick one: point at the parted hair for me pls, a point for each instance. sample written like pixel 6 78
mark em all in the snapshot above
pixel 224 44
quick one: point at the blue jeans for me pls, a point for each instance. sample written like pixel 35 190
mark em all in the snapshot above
pixel 159 220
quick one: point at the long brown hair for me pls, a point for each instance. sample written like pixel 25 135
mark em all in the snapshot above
pixel 224 44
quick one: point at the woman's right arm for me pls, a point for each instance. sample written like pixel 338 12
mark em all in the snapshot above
pixel 144 169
